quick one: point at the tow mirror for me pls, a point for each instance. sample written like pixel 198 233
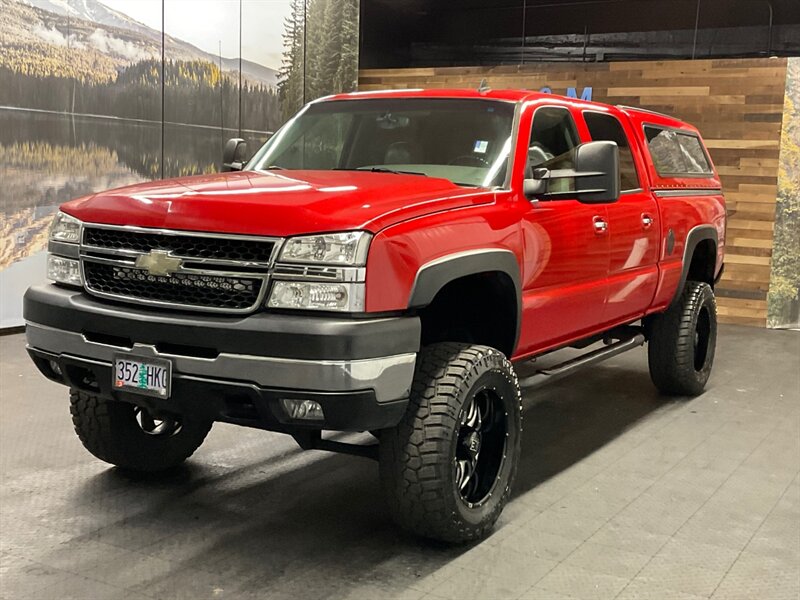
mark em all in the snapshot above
pixel 594 177
pixel 234 155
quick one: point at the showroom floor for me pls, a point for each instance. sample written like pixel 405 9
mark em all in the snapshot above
pixel 620 494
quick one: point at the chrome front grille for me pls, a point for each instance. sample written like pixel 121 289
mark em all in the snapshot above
pixel 177 269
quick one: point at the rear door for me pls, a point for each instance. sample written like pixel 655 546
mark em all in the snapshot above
pixel 633 226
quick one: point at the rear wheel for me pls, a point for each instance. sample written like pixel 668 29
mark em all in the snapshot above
pixel 132 437
pixel 448 467
pixel 683 341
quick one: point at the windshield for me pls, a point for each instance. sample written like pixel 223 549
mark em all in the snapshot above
pixel 464 140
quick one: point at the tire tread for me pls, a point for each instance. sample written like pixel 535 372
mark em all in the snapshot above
pixel 412 470
pixel 671 344
pixel 108 430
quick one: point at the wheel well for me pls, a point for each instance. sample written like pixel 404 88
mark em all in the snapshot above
pixel 704 259
pixel 479 309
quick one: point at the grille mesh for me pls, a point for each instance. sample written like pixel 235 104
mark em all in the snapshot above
pixel 220 248
pixel 204 291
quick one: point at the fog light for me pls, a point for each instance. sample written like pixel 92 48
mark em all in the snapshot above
pixel 345 297
pixel 55 368
pixel 307 410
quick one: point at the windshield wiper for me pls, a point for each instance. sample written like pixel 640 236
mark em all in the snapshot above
pixel 380 170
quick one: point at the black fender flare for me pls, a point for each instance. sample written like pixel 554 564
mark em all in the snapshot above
pixel 433 276
pixel 693 238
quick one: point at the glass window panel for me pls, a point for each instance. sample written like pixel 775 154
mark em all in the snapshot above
pixel 608 128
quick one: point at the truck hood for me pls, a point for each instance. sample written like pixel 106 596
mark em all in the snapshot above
pixel 279 203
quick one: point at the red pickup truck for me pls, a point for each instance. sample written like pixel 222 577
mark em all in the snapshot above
pixel 377 266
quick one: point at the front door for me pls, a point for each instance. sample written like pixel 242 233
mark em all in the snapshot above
pixel 565 244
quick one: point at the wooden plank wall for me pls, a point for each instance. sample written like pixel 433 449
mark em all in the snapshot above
pixel 736 103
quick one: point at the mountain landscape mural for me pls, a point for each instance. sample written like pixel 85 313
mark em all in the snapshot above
pixel 59 60
pixel 81 105
pixel 122 38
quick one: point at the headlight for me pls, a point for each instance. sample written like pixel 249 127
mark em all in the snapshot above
pixel 65 229
pixel 312 295
pixel 349 248
pixel 64 270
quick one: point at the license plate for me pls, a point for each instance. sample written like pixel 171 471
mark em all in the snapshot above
pixel 148 376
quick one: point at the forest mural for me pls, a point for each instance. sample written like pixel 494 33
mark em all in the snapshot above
pixel 320 51
pixel 83 106
pixel 783 301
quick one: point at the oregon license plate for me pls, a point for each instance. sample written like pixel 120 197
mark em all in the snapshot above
pixel 148 376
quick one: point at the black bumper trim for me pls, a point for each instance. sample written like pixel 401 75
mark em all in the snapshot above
pixel 235 402
pixel 307 337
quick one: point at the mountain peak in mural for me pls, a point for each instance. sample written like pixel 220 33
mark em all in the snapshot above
pixel 91 10
pixel 90 24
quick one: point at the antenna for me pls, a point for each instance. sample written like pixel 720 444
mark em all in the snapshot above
pixel 484 86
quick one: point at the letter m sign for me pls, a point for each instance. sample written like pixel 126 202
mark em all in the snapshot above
pixel 586 94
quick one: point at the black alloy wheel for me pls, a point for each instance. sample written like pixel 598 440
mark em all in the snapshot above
pixel 164 426
pixel 702 337
pixel 481 447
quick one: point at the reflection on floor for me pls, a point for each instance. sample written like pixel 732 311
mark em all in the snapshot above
pixel 620 493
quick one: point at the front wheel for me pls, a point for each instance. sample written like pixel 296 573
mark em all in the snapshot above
pixel 448 467
pixel 682 342
pixel 131 437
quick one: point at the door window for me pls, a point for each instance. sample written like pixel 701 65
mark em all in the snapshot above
pixel 553 137
pixel 608 128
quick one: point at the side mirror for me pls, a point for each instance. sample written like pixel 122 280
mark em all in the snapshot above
pixel 597 165
pixel 533 188
pixel 234 155
pixel 595 175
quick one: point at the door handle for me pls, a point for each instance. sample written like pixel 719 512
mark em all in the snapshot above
pixel 600 225
pixel 647 221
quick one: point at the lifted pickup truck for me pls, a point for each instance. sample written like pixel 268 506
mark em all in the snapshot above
pixel 376 266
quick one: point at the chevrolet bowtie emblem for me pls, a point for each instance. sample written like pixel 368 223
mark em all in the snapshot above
pixel 159 262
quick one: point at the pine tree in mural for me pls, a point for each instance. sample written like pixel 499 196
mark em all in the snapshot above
pixel 348 56
pixel 330 29
pixel 290 76
pixel 784 287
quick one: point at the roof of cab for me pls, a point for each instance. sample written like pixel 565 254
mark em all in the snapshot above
pixel 642 115
pixel 639 115
pixel 489 94
pixel 507 95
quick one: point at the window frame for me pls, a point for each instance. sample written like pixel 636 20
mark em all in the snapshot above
pixel 567 110
pixel 576 131
pixel 680 174
pixel 636 169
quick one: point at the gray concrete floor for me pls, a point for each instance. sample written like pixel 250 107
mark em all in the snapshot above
pixel 621 494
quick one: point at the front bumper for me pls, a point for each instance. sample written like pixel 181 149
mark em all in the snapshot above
pixel 233 369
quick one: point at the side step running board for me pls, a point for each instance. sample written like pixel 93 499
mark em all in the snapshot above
pixel 312 440
pixel 579 362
